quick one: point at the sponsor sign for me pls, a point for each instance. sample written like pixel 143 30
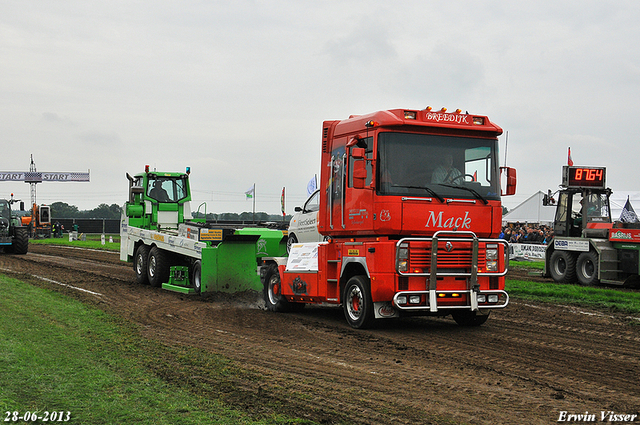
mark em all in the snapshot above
pixel 571 245
pixel 353 252
pixel 210 234
pixel 527 250
pixel 303 257
pixel 624 235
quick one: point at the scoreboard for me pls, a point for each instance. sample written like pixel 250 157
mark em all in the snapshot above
pixel 583 177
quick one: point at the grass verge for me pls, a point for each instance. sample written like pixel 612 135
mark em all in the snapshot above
pixel 57 354
pixel 91 242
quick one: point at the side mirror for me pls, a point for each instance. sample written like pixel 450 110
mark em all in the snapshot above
pixel 510 175
pixel 297 209
pixel 359 173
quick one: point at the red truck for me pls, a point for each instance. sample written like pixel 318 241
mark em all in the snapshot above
pixel 410 209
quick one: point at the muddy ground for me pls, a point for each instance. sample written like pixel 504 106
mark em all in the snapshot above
pixel 529 363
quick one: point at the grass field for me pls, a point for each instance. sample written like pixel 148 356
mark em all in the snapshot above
pixel 59 355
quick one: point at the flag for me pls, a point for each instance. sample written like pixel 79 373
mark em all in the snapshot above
pixel 282 202
pixel 569 160
pixel 312 186
pixel 251 192
pixel 475 176
pixel 628 215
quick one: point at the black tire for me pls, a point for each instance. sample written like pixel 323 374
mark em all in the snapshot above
pixel 196 276
pixel 357 304
pixel 291 240
pixel 141 264
pixel 587 268
pixel 272 297
pixel 21 241
pixel 563 266
pixel 469 318
pixel 158 267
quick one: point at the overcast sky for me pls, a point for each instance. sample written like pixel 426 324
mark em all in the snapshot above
pixel 237 90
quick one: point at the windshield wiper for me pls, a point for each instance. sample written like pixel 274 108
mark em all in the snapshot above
pixel 429 190
pixel 476 194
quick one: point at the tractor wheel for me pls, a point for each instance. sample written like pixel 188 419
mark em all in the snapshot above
pixel 272 296
pixel 357 304
pixel 291 240
pixel 587 268
pixel 141 264
pixel 196 276
pixel 563 267
pixel 158 267
pixel 20 241
pixel 469 318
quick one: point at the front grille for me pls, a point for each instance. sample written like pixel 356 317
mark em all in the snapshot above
pixel 459 258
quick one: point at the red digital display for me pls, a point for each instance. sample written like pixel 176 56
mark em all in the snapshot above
pixel 585 177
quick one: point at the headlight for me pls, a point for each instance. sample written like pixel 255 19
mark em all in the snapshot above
pixel 492 266
pixel 493 298
pixel 482 298
pixel 402 299
pixel 414 299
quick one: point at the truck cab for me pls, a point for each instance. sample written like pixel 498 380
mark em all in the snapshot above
pixel 410 203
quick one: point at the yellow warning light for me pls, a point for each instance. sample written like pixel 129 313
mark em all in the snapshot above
pixel 443 110
pixel 458 111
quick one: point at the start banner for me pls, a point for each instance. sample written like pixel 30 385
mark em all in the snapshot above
pixel 527 250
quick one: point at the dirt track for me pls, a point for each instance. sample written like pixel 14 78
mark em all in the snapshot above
pixel 526 365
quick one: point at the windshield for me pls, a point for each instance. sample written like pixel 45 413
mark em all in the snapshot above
pixel 166 189
pixel 441 166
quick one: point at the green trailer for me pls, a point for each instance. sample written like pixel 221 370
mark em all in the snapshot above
pixel 170 249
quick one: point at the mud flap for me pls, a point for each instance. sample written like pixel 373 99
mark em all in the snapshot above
pixel 384 310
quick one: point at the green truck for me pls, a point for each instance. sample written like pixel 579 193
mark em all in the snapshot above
pixel 171 249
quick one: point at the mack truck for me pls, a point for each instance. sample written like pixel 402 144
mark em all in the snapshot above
pixel 169 248
pixel 14 237
pixel 410 210
pixel 588 246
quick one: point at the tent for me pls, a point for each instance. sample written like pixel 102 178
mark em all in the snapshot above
pixel 532 211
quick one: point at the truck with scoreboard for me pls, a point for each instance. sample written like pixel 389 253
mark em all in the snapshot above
pixel 410 205
pixel 588 246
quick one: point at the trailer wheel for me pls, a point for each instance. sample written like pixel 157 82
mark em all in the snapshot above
pixel 291 240
pixel 21 241
pixel 470 318
pixel 140 264
pixel 158 267
pixel 196 276
pixel 587 268
pixel 563 267
pixel 357 304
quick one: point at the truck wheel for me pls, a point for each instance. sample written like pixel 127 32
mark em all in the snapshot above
pixel 587 268
pixel 469 318
pixel 20 241
pixel 291 240
pixel 272 296
pixel 357 304
pixel 158 267
pixel 140 265
pixel 563 267
pixel 196 276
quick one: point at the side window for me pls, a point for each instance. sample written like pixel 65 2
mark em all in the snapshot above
pixel 313 204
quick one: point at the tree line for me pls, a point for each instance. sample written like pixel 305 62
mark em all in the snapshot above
pixel 64 210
